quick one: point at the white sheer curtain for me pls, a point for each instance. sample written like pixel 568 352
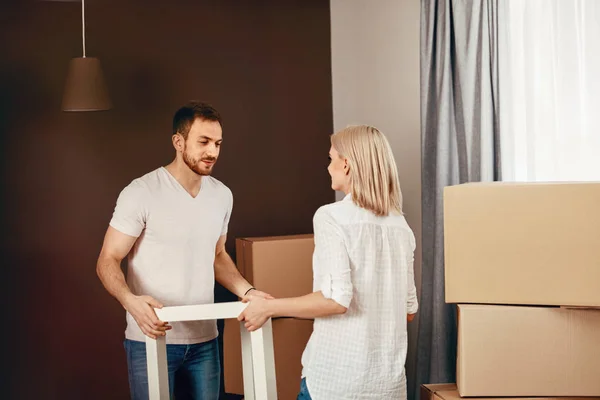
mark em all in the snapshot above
pixel 549 75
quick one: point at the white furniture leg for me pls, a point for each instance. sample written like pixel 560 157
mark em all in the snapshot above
pixel 247 367
pixel 258 358
pixel 263 361
pixel 158 373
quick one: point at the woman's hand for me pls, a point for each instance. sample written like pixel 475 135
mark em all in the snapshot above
pixel 256 314
pixel 254 293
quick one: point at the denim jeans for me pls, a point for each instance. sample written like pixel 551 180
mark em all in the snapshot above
pixel 303 395
pixel 194 370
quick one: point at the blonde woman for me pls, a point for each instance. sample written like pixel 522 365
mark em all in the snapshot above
pixel 363 281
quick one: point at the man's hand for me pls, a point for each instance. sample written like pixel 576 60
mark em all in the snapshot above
pixel 410 317
pixel 256 313
pixel 142 310
pixel 256 294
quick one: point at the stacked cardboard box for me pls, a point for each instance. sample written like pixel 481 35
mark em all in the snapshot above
pixel 281 266
pixel 448 391
pixel 521 260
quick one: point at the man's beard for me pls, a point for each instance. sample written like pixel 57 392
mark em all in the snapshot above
pixel 196 164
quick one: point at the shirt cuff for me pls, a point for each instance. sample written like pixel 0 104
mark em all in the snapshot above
pixel 412 308
pixel 340 291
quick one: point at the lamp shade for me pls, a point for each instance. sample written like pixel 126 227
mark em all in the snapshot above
pixel 84 88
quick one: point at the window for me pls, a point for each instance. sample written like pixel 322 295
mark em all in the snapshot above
pixel 549 78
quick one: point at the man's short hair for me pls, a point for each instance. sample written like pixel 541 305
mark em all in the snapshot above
pixel 186 115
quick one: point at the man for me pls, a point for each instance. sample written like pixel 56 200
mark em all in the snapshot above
pixel 172 222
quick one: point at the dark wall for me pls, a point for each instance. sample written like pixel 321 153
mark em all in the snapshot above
pixel 264 64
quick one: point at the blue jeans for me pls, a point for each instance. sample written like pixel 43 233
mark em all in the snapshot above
pixel 303 395
pixel 194 370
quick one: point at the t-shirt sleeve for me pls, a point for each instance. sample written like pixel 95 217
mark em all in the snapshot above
pixel 129 216
pixel 225 227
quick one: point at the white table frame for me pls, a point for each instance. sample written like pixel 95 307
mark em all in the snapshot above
pixel 258 358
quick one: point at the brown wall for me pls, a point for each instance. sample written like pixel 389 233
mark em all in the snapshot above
pixel 264 64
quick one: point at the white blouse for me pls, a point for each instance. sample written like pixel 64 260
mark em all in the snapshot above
pixel 365 263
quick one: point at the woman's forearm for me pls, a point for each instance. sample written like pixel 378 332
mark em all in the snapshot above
pixel 311 306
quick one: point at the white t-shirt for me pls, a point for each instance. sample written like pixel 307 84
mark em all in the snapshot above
pixel 365 263
pixel 173 258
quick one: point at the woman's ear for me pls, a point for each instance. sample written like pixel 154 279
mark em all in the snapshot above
pixel 346 166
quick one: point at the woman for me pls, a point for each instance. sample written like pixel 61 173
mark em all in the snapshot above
pixel 363 281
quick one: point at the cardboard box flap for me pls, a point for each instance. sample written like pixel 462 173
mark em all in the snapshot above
pixel 522 184
pixel 277 238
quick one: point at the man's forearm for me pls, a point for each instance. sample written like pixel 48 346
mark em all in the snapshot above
pixel 313 305
pixel 110 274
pixel 228 275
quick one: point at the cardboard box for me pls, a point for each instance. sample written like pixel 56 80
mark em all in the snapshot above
pixel 528 351
pixel 279 265
pixel 282 267
pixel 447 391
pixel 439 391
pixel 290 337
pixel 522 243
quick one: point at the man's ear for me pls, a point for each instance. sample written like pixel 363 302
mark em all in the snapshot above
pixel 178 142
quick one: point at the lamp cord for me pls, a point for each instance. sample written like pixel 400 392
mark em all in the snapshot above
pixel 83 25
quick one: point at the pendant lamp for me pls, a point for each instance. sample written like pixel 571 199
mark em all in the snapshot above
pixel 85 89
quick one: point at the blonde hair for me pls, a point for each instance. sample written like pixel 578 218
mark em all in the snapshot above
pixel 374 183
